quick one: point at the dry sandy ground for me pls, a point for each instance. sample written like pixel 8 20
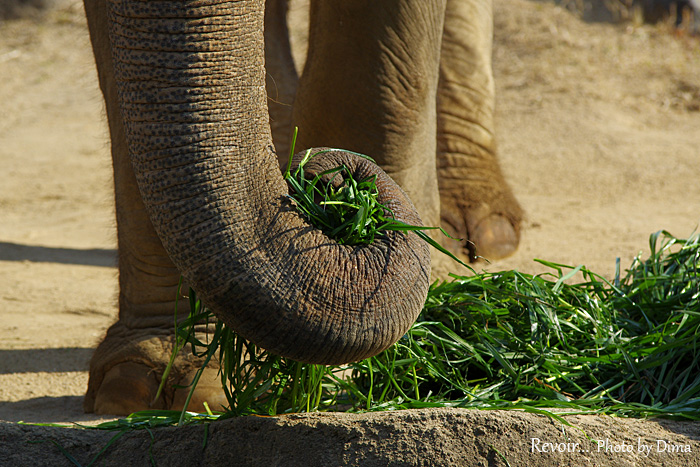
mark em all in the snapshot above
pixel 599 129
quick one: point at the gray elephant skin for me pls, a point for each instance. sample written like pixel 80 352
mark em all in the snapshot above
pixel 199 191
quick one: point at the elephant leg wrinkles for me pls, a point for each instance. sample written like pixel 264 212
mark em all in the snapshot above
pixel 348 98
pixel 126 367
pixel 369 85
pixel 475 199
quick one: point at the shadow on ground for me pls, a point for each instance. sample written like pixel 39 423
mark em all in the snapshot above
pixel 42 254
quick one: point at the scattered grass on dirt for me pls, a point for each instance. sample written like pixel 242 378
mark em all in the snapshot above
pixel 627 347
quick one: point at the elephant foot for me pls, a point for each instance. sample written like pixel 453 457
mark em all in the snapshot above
pixel 489 230
pixel 127 367
pixel 494 237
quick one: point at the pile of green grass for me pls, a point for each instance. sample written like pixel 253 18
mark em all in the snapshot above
pixel 626 347
pixel 493 340
pixel 629 347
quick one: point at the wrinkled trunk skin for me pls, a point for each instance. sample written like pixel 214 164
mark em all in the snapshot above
pixel 475 198
pixel 191 84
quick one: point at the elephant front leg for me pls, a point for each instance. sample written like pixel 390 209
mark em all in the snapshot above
pixel 475 199
pixel 127 366
pixel 369 85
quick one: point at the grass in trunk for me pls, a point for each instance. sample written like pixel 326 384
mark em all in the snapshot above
pixel 350 214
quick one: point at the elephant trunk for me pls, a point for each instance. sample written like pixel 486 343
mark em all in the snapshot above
pixel 191 82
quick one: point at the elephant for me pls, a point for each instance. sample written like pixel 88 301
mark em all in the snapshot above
pixel 199 192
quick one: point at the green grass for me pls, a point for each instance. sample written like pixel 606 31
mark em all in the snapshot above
pixel 628 347
pixel 350 214
pixel 567 339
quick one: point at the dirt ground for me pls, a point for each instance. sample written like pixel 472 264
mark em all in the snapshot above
pixel 599 135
